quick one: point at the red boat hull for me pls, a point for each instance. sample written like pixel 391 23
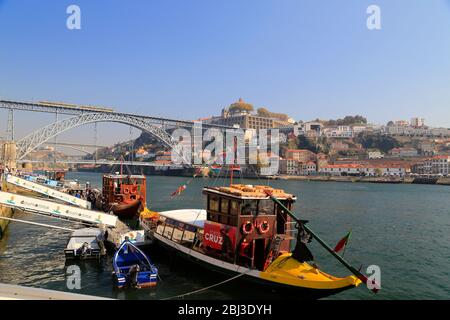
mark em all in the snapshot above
pixel 128 210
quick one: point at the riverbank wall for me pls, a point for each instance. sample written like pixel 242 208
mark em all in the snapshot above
pixel 188 172
pixel 404 180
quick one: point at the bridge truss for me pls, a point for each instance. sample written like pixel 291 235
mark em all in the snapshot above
pixel 37 138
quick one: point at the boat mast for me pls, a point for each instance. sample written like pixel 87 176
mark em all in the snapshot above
pixel 234 158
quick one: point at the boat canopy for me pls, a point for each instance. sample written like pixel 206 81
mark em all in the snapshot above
pixel 195 217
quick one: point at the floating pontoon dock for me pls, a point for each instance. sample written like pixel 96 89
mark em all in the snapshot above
pixel 53 209
pixel 47 191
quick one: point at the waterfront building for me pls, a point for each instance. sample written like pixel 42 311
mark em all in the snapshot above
pixel 307 168
pixel 295 167
pixel 289 166
pixel 301 155
pixel 341 169
pixel 437 165
pixel 440 164
pixel 370 169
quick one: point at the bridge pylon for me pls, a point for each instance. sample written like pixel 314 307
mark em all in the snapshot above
pixel 9 155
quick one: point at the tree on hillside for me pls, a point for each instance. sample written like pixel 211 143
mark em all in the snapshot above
pixel 263 112
pixel 241 106
pixel 305 143
pixel 348 120
pixel 377 141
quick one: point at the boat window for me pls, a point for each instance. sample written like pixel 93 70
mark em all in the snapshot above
pixel 266 207
pixel 171 222
pixel 234 207
pixel 249 207
pixel 224 203
pixel 213 204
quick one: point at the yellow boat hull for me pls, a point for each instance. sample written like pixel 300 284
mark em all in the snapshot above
pixel 287 271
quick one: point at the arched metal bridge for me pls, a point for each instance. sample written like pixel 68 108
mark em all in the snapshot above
pixel 37 138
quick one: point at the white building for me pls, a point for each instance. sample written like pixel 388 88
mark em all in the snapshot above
pixel 417 122
pixel 339 132
pixel 375 155
pixel 439 165
pixel 308 128
pixel 363 170
pixel 341 169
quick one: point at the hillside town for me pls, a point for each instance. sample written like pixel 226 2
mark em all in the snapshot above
pixel 350 146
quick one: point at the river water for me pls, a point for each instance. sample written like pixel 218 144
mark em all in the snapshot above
pixel 403 229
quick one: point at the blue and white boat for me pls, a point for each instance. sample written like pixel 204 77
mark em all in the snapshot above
pixel 133 268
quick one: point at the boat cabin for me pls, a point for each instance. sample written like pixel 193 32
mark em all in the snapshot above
pixel 120 188
pixel 241 225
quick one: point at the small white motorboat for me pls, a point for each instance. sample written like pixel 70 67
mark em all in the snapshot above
pixel 85 244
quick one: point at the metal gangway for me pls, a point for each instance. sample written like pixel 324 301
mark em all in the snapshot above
pixel 56 210
pixel 47 191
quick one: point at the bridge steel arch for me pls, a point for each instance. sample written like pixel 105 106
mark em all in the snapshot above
pixel 38 137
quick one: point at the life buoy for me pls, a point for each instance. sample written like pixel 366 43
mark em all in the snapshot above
pixel 247 227
pixel 264 227
pixel 126 191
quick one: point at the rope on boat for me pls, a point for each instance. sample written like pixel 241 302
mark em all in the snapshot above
pixel 38 224
pixel 209 287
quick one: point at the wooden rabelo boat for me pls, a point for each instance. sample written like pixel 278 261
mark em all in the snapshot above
pixel 249 230
pixel 124 195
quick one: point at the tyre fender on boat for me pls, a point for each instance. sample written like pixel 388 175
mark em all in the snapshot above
pixel 264 227
pixel 247 227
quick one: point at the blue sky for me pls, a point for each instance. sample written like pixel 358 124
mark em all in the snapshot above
pixel 188 59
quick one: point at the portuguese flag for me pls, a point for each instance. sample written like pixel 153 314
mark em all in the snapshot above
pixel 343 242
